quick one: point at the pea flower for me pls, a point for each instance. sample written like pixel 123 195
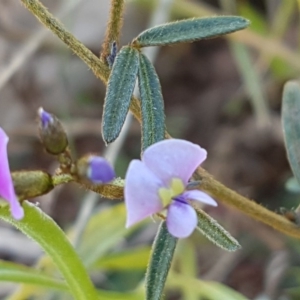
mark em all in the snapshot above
pixel 158 183
pixel 95 169
pixel 7 191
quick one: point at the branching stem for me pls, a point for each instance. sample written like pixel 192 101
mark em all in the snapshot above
pixel 207 182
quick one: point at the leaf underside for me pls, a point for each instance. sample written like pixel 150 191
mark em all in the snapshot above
pixel 291 125
pixel 119 91
pixel 212 230
pixel 190 30
pixel 152 106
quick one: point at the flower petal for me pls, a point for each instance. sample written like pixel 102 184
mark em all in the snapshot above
pixel 141 192
pixel 99 170
pixel 199 196
pixel 7 191
pixel 174 159
pixel 181 219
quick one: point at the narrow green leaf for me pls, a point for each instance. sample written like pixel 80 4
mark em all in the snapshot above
pixel 203 289
pixel 110 295
pixel 186 254
pixel 160 261
pixel 42 229
pixel 132 259
pixel 190 30
pixel 252 81
pixel 14 272
pixel 104 230
pixel 291 124
pixel 152 105
pixel 211 229
pixel 120 87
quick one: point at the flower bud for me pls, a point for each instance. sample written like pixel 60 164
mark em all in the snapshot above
pixel 29 184
pixel 96 169
pixel 52 133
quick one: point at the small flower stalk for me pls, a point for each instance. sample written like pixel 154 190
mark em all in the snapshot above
pixel 7 191
pixel 52 133
pixel 95 169
pixel 158 184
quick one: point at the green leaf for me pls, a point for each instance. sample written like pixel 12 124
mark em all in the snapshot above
pixel 160 261
pixel 291 124
pixel 216 291
pixel 189 30
pixel 120 87
pixel 186 260
pixel 259 23
pixel 22 274
pixel 104 230
pixel 203 289
pixel 132 259
pixel 252 81
pixel 110 295
pixel 152 105
pixel 42 229
pixel 211 229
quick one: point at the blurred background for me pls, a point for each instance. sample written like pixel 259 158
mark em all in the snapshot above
pixel 223 94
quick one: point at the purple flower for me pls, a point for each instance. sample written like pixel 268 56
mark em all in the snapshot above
pixel 99 170
pixel 158 183
pixel 7 191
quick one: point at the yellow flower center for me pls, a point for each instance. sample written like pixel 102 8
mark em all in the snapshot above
pixel 166 194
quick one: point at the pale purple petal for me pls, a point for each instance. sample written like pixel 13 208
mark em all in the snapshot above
pixel 7 191
pixel 174 158
pixel 141 193
pixel 199 196
pixel 99 170
pixel 181 219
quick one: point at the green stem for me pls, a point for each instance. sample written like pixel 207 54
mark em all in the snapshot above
pixel 114 27
pixel 62 179
pixel 215 188
pixel 42 229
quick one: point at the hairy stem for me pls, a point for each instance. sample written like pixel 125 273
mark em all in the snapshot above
pixel 114 27
pixel 247 206
pixel 208 184
pixel 99 68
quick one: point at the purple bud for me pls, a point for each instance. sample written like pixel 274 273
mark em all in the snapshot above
pixel 99 170
pixel 52 133
pixel 45 117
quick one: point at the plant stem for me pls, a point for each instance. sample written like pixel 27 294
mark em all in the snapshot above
pixel 100 69
pixel 208 184
pixel 247 206
pixel 113 28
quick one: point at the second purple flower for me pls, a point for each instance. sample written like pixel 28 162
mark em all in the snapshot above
pixel 158 183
